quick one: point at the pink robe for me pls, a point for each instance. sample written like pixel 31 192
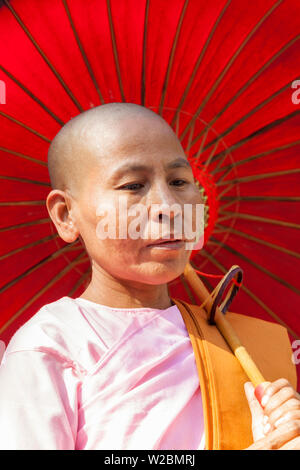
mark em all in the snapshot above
pixel 79 375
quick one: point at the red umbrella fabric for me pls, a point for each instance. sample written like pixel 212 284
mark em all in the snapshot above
pixel 221 73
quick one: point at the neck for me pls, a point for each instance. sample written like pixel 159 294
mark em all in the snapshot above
pixel 107 290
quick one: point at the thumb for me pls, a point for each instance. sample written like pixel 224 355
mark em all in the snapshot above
pixel 256 412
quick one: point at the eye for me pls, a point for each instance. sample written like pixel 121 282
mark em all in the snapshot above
pixel 132 186
pixel 181 182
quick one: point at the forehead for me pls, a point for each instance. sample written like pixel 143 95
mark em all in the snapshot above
pixel 110 152
pixel 139 139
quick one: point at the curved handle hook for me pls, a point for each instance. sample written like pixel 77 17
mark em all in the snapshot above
pixel 235 271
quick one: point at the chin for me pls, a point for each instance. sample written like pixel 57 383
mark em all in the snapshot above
pixel 161 273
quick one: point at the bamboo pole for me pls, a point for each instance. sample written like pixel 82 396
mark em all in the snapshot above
pixel 225 328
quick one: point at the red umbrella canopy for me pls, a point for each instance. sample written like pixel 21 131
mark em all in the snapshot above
pixel 223 74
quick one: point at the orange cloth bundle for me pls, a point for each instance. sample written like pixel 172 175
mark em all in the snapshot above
pixel 225 407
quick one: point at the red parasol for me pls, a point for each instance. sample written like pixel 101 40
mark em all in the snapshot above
pixel 221 73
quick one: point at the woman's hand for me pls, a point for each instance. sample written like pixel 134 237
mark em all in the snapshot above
pixel 276 418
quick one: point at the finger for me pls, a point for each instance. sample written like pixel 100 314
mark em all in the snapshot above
pixel 280 383
pixel 260 390
pixel 267 426
pixel 286 409
pixel 273 387
pixel 276 439
pixel 294 444
pixel 289 416
pixel 278 399
pixel 254 404
pixel 281 415
pixel 256 412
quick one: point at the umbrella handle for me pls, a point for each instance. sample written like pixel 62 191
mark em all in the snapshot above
pixel 225 328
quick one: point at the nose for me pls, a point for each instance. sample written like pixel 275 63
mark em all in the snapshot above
pixel 164 212
pixel 164 207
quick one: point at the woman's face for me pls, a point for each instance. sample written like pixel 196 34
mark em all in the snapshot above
pixel 141 163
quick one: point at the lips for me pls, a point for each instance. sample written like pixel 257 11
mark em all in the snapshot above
pixel 165 241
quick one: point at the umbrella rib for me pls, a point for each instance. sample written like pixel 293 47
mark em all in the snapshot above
pixel 256 133
pixel 229 64
pixel 40 292
pixel 246 116
pixel 229 203
pixel 220 162
pixel 250 178
pixel 18 154
pixel 262 198
pixel 246 85
pixel 83 53
pixel 22 203
pixel 35 267
pixel 24 180
pixel 212 153
pixel 232 199
pixel 143 78
pixel 171 57
pixel 196 158
pixel 253 296
pixel 225 191
pixel 26 247
pixel 25 126
pixel 255 264
pixel 262 130
pixel 25 224
pixel 258 240
pixel 257 218
pixel 79 282
pixel 187 149
pixel 43 55
pixel 255 157
pixel 221 219
pixel 29 93
pixel 115 50
pixel 199 60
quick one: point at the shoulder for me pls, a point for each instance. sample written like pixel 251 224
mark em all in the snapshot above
pixel 53 329
pixel 80 332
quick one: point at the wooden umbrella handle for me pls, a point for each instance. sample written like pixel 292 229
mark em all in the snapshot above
pixel 225 328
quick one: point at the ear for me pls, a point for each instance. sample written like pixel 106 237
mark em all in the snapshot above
pixel 59 205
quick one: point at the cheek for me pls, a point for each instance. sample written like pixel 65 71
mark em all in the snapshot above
pixel 116 256
pixel 118 253
pixel 196 197
pixel 120 258
pixel 104 229
pixel 123 250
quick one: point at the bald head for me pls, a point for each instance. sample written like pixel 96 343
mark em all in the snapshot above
pixel 91 134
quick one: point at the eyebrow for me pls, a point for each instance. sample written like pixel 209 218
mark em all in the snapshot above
pixel 127 167
pixel 178 163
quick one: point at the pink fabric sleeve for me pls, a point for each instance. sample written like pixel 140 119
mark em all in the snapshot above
pixel 38 401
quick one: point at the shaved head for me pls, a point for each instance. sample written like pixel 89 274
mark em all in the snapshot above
pixel 103 164
pixel 91 134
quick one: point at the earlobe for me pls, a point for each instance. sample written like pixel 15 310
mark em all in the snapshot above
pixel 59 208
